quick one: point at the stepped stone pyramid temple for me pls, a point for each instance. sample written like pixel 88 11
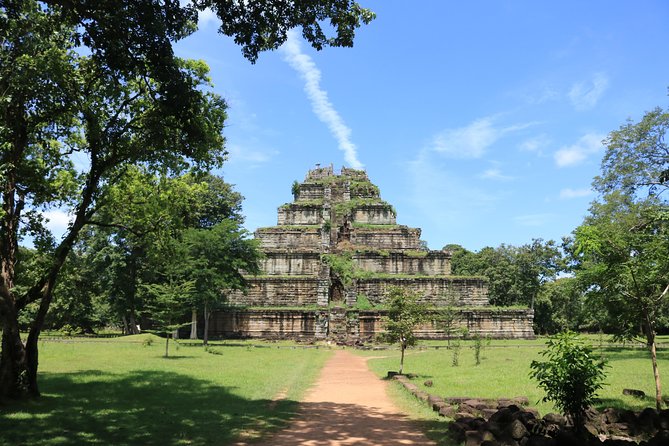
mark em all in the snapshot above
pixel 331 260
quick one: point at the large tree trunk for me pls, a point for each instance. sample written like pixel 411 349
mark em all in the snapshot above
pixel 193 324
pixel 402 347
pixel 18 370
pixel 12 359
pixel 133 322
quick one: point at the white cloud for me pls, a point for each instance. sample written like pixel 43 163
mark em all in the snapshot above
pixel 534 219
pixel 57 221
pixel 207 17
pixel 586 95
pixel 569 193
pixel 589 144
pixel 495 174
pixel 536 144
pixel 320 103
pixel 471 141
pixel 204 17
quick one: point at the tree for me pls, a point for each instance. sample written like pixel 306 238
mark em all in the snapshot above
pixel 621 254
pixel 636 161
pixel 570 376
pixel 128 101
pixel 215 259
pixel 113 122
pixel 170 300
pixel 620 250
pixel 560 306
pixel 405 314
pixel 449 315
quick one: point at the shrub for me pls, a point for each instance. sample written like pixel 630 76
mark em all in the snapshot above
pixel 571 376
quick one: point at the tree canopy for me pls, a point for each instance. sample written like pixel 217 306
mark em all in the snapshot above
pixel 90 88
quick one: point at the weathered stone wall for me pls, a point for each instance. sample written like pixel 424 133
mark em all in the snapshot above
pixel 310 191
pixel 434 263
pixel 271 291
pixel 397 237
pixel 285 238
pixel 496 323
pixel 288 263
pixel 342 324
pixel 319 173
pixel 297 214
pixel 374 215
pixel 470 291
pixel 275 324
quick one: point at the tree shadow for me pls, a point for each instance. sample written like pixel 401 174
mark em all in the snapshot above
pixel 136 408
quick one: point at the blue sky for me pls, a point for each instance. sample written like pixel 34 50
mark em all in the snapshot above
pixel 480 121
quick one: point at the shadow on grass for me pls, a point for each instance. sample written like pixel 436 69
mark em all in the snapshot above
pixel 637 353
pixel 136 408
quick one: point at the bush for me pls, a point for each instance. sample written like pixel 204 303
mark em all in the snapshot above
pixel 571 376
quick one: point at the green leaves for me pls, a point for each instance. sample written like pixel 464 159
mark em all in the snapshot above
pixel 405 314
pixel 637 157
pixel 570 376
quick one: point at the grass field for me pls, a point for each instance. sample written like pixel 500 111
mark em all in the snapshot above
pixel 122 392
pixel 504 371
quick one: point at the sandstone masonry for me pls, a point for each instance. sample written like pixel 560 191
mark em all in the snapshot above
pixel 330 261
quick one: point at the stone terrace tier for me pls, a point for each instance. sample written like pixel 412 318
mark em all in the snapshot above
pixel 290 237
pixel 422 263
pixel 387 237
pixel 434 291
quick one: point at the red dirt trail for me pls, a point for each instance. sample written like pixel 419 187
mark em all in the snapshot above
pixel 348 405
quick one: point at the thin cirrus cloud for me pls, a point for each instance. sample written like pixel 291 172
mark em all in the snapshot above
pixel 495 174
pixel 575 154
pixel 318 97
pixel 586 95
pixel 472 140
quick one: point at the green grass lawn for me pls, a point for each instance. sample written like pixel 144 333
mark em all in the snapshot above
pixel 505 368
pixel 122 392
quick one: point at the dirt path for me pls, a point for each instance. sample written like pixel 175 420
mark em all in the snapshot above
pixel 348 405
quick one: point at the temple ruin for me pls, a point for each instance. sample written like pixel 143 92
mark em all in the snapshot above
pixel 330 261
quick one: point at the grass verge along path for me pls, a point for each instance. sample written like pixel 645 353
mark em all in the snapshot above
pixel 505 367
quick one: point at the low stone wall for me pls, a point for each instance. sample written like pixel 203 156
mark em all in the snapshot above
pixel 348 324
pixel 397 237
pixel 290 263
pixel 268 324
pixel 434 290
pixel 286 238
pixel 434 263
pixel 271 291
pixel 374 215
pixel 299 214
